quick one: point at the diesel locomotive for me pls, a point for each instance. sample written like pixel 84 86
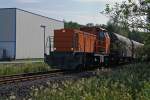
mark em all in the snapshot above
pixel 88 47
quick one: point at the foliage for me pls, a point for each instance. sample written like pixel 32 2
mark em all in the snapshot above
pixel 132 20
pixel 131 82
pixel 90 24
pixel 132 34
pixel 72 25
pixel 9 69
pixel 146 51
pixel 111 27
pixel 129 14
pixel 137 36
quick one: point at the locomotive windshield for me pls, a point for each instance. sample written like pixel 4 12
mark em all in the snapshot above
pixel 101 36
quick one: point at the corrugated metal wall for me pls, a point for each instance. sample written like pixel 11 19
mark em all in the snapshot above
pixel 30 36
pixel 7 33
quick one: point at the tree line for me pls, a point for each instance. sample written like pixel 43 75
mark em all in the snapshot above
pixel 129 18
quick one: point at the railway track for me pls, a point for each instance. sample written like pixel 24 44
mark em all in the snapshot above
pixel 33 76
pixel 29 76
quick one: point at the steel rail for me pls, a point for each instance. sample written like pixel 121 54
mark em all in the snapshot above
pixel 29 76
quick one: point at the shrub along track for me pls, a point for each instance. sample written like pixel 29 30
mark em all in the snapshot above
pixel 21 85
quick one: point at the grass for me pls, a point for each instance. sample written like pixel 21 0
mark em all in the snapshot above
pixel 30 59
pixel 132 82
pixel 9 69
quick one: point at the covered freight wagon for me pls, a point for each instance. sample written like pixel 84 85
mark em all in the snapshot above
pixel 23 33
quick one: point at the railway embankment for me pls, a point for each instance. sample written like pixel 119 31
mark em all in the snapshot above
pixel 127 82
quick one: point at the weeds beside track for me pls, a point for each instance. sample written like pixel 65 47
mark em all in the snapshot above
pixel 10 69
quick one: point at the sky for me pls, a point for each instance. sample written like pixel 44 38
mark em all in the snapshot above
pixel 81 11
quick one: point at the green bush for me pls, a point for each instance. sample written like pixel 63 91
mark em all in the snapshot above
pixel 130 82
pixel 9 69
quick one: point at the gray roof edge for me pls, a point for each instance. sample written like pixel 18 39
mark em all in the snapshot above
pixel 33 13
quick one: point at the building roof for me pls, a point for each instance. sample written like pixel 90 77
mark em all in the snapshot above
pixel 33 13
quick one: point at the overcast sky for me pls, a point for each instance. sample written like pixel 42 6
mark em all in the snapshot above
pixel 81 11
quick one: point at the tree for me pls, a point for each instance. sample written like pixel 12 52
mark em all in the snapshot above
pixel 129 14
pixel 132 18
pixel 90 24
pixel 112 27
pixel 137 36
pixel 72 25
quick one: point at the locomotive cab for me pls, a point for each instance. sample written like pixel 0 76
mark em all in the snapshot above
pixel 102 45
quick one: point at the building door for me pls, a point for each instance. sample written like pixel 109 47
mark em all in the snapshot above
pixel 49 44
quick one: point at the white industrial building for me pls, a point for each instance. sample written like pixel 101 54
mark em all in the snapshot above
pixel 22 34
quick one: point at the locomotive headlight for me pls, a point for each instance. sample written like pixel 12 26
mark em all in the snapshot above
pixel 72 49
pixel 63 31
